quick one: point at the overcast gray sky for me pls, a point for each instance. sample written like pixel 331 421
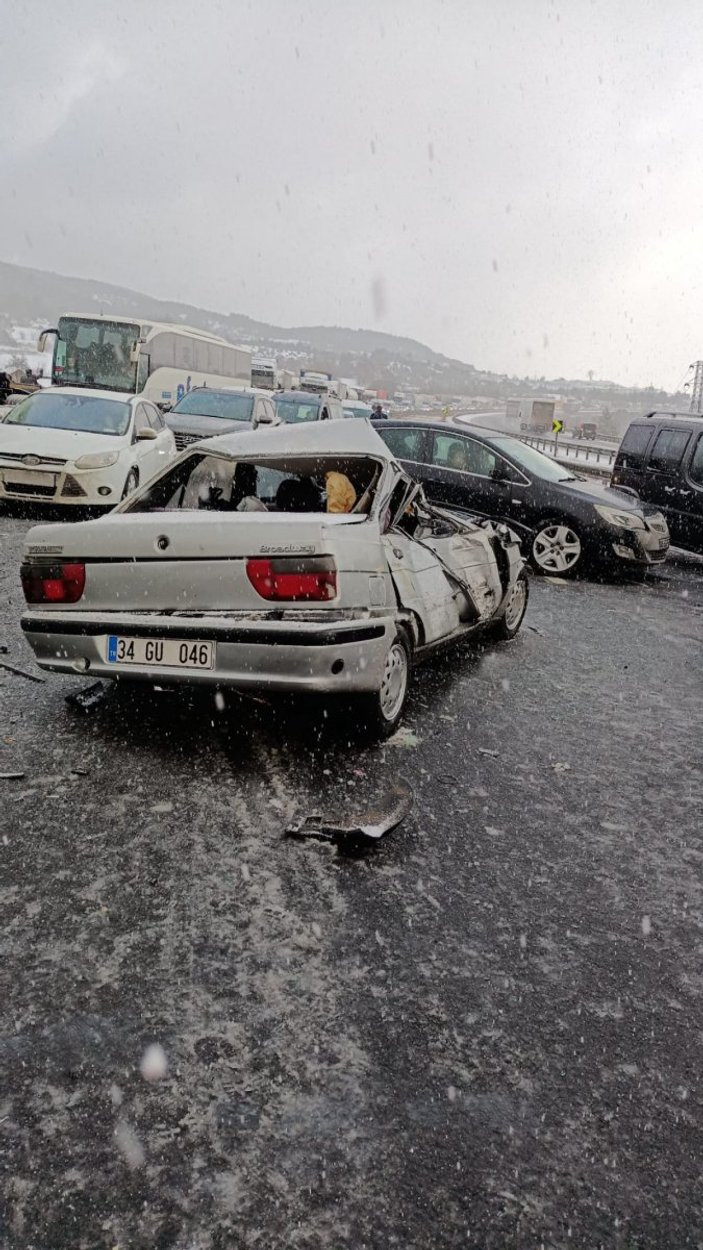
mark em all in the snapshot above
pixel 518 183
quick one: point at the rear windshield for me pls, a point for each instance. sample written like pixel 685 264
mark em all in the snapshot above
pixel 231 407
pixel 297 410
pixel 88 413
pixel 297 484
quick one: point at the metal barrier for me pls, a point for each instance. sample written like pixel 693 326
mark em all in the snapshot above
pixel 604 456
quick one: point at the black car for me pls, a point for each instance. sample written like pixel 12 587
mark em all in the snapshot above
pixel 292 406
pixel 204 412
pixel 661 457
pixel 564 522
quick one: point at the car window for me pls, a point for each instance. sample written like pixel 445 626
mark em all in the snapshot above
pixel 668 449
pixel 464 455
pixel 636 439
pixel 154 417
pixel 141 418
pixel 695 471
pixel 405 444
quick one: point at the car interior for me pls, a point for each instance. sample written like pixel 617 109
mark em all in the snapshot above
pixel 302 484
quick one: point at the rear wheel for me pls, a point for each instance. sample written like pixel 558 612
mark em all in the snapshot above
pixel 131 484
pixel 515 609
pixel 556 548
pixel 382 709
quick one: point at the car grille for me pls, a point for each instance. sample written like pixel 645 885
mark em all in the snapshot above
pixel 182 440
pixel 23 488
pixel 72 488
pixel 20 455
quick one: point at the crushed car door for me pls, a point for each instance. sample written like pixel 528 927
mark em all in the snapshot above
pixel 420 582
pixel 467 553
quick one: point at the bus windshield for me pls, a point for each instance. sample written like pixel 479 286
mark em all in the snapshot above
pixel 95 353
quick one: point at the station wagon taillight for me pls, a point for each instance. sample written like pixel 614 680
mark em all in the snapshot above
pixel 53 583
pixel 312 580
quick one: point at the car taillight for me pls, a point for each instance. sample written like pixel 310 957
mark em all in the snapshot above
pixel 309 580
pixel 53 583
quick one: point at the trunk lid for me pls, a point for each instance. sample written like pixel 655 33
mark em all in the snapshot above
pixel 197 561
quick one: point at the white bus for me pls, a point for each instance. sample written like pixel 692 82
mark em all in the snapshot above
pixel 161 361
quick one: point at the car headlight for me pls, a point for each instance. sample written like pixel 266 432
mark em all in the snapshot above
pixel 102 460
pixel 621 520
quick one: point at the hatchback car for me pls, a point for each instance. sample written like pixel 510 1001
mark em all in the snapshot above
pixel 230 569
pixel 564 522
pixel 204 412
pixel 661 457
pixel 295 406
pixel 78 446
pixel 356 408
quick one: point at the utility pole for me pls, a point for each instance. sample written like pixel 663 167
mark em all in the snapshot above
pixel 696 404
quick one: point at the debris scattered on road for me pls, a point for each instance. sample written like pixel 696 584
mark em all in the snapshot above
pixel 404 737
pixel 561 768
pixel 535 630
pixel 88 698
pixel 487 751
pixel 80 772
pixel 21 672
pixel 12 776
pixel 379 818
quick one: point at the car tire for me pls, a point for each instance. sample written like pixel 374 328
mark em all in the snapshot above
pixel 382 710
pixel 556 548
pixel 510 622
pixel 131 483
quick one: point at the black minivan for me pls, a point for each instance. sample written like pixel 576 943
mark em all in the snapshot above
pixel 661 457
pixel 564 522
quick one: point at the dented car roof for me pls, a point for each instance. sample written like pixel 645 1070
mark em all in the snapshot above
pixel 318 438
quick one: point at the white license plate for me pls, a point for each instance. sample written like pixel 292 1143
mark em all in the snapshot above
pixel 20 477
pixel 161 652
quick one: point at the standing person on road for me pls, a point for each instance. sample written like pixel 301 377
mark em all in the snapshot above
pixel 378 414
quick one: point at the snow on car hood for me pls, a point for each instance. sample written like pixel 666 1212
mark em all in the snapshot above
pixel 36 440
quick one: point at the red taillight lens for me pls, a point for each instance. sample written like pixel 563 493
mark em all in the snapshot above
pixel 53 583
pixel 312 580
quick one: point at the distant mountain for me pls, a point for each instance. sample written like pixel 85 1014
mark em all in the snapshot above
pixel 32 298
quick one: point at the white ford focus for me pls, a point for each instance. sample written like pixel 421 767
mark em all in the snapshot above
pixel 72 445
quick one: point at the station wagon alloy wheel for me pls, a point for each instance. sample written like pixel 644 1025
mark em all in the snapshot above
pixel 556 548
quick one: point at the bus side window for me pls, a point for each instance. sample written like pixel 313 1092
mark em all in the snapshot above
pixel 161 349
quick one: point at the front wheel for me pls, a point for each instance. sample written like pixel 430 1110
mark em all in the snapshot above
pixel 382 709
pixel 556 548
pixel 131 484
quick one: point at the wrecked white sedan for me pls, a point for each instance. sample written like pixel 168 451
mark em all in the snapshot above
pixel 287 559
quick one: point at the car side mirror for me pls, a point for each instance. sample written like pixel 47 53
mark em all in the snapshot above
pixel 165 405
pixel 500 474
pixel 146 434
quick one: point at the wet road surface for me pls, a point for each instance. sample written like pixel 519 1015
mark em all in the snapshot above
pixel 483 1032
